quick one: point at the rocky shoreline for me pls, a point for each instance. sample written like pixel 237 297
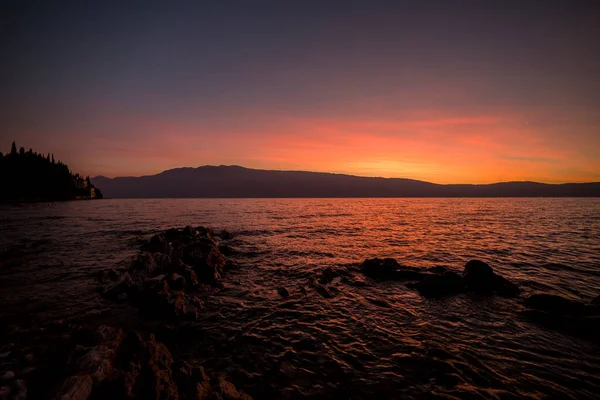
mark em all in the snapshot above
pixel 168 281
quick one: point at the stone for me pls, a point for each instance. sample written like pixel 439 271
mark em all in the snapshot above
pixel 479 277
pixel 283 292
pixel 177 282
pixel 390 269
pixel 555 304
pixel 440 285
pixel 7 376
pixel 78 387
pixel 158 244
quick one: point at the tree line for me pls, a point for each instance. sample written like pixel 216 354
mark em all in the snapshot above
pixel 29 176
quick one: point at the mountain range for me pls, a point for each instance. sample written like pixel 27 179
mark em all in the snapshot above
pixel 239 182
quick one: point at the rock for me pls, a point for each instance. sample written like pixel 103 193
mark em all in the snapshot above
pixel 5 392
pixel 283 292
pixel 440 285
pixel 190 278
pixel 78 387
pixel 389 269
pixel 377 268
pixel 177 282
pixel 158 244
pixel 556 305
pixel 189 231
pixel 225 235
pixel 565 315
pixel 19 390
pixel 437 270
pixel 7 376
pixel 327 276
pixel 596 301
pixel 186 257
pixel 480 278
pixel 229 392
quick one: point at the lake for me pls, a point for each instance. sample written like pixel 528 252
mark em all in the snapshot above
pixel 346 346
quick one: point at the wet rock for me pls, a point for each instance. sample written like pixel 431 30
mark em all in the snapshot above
pixel 564 315
pixel 78 387
pixel 437 269
pixel 189 231
pixel 556 305
pixel 225 235
pixel 7 376
pixel 228 391
pixel 440 285
pixel 479 277
pixel 158 244
pixel 19 390
pixel 183 258
pixel 327 276
pixel 390 269
pixel 177 282
pixel 283 292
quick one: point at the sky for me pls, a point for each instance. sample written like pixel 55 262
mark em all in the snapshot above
pixel 442 91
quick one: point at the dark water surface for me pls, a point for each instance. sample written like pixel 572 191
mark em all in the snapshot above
pixel 349 346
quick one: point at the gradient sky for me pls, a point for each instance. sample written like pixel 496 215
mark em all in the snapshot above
pixel 447 91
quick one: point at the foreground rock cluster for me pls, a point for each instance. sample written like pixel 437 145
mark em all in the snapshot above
pixel 477 277
pixel 554 312
pixel 172 266
pixel 71 362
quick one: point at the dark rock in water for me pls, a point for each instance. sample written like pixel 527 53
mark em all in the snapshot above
pixel 225 235
pixel 77 387
pixel 158 244
pixel 568 316
pixel 437 269
pixel 327 276
pixel 377 268
pixel 177 260
pixel 189 231
pixel 440 285
pixel 389 269
pixel 556 305
pixel 479 277
pixel 177 282
pixel 283 292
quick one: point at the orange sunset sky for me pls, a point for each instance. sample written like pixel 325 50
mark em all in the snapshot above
pixel 473 93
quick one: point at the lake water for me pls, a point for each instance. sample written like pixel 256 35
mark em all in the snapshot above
pixel 347 346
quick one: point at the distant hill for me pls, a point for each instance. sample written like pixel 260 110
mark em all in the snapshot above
pixel 239 182
pixel 29 176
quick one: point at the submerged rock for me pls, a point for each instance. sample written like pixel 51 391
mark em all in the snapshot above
pixel 390 269
pixel 555 304
pixel 440 285
pixel 283 292
pixel 480 278
pixel 565 315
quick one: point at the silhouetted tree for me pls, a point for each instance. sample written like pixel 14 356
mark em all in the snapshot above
pixel 32 176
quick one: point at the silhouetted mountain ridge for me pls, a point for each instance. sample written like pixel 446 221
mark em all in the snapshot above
pixel 239 182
